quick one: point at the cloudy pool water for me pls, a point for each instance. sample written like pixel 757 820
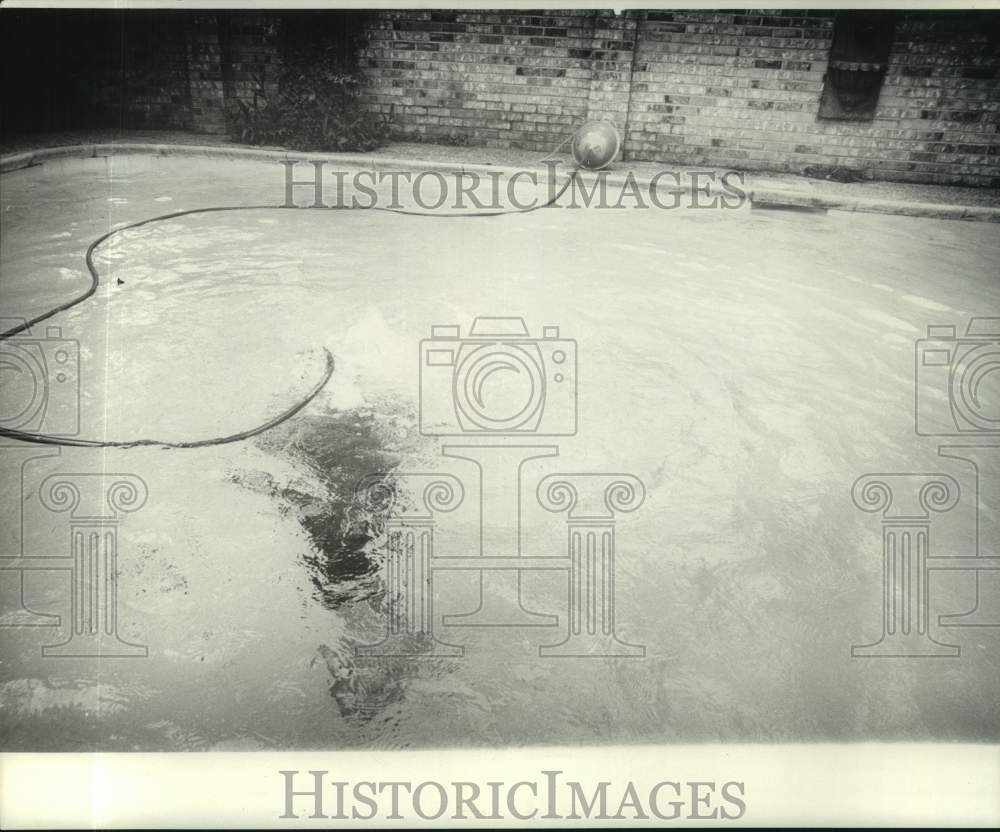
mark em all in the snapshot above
pixel 747 366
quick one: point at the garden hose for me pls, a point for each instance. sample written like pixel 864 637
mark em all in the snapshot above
pixel 48 439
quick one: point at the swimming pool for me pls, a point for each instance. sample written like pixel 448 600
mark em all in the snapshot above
pixel 746 366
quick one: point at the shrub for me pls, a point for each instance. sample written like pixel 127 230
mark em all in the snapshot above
pixel 314 105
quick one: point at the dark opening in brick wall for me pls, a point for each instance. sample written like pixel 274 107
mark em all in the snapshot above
pixel 859 59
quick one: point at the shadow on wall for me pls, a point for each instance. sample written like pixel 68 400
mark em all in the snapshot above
pixel 93 68
pixel 263 77
pixel 305 93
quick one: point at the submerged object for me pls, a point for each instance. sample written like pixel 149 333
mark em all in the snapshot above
pixel 595 145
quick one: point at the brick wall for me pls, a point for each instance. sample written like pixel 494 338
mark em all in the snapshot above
pixel 204 59
pixel 733 88
pixel 940 106
pixel 151 83
pixel 487 78
pixel 743 89
pixel 719 88
pixel 251 60
pixel 231 57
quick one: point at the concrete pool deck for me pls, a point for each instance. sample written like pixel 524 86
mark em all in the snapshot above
pixel 765 190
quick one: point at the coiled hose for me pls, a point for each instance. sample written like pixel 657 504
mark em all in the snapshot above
pixel 48 439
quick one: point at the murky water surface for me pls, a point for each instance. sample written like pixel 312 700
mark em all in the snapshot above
pixel 747 366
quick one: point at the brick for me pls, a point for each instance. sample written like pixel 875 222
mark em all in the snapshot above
pixel 699 87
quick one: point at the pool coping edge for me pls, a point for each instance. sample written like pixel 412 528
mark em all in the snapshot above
pixel 763 197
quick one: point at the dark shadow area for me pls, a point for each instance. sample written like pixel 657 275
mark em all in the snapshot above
pixel 89 69
pixel 155 69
